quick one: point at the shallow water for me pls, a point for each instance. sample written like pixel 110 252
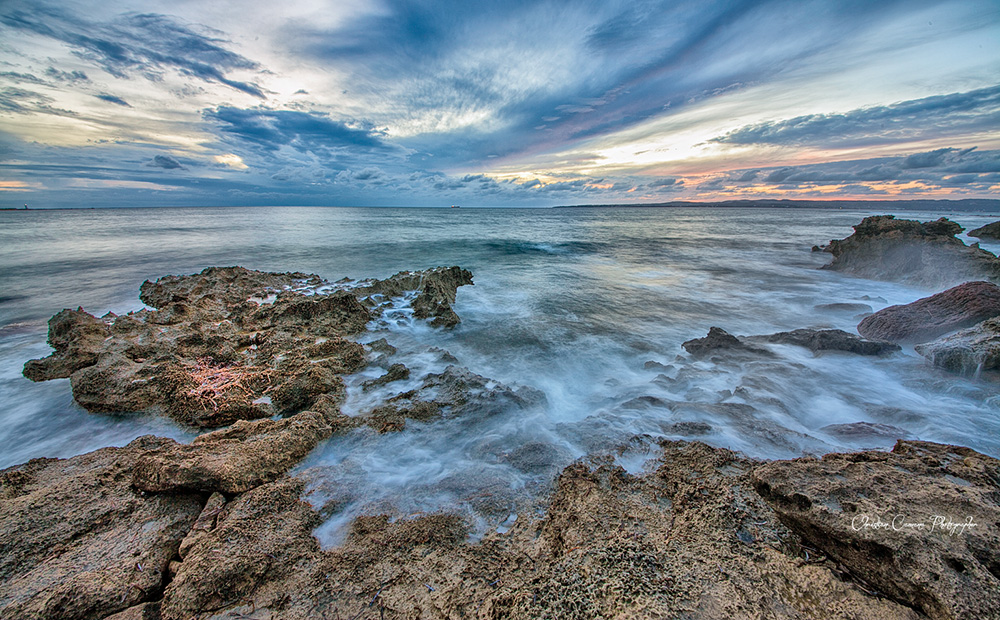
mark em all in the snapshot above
pixel 573 302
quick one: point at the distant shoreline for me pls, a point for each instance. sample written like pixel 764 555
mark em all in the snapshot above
pixel 965 204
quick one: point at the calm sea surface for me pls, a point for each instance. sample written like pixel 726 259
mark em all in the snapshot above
pixel 573 302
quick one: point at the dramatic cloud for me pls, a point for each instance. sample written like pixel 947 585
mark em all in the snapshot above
pixel 956 113
pixel 303 131
pixel 165 161
pixel 138 44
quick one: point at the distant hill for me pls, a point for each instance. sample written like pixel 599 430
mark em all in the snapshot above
pixel 969 204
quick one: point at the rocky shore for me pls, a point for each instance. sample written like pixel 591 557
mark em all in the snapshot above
pixel 218 528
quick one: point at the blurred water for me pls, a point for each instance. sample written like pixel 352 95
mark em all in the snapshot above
pixel 573 302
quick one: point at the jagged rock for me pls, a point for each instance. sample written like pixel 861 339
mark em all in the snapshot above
pixel 719 340
pixel 435 292
pixel 231 344
pixel 968 352
pixel 78 541
pixel 990 231
pixel 930 317
pixel 828 340
pixel 76 337
pixel 922 254
pixel 891 519
pixel 456 392
pixel 232 460
pixel 396 372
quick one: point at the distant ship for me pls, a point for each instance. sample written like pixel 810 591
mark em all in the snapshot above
pixel 456 207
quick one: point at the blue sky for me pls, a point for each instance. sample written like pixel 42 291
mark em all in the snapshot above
pixel 547 102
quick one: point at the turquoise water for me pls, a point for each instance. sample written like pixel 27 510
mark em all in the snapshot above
pixel 573 302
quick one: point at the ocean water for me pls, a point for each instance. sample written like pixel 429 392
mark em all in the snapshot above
pixel 589 306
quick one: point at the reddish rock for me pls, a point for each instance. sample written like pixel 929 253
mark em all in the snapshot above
pixel 930 317
pixel 973 352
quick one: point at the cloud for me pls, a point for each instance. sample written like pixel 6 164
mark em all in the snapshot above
pixel 66 76
pixel 307 132
pixel 113 99
pixel 138 45
pixel 166 162
pixel 27 78
pixel 971 111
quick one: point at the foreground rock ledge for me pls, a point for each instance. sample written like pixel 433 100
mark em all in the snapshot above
pixel 705 534
pixel 232 344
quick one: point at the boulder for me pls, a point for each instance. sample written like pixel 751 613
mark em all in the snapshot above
pixel 918 524
pixel 930 317
pixel 718 340
pixel 78 541
pixel 921 254
pixel 990 231
pixel 77 337
pixel 969 352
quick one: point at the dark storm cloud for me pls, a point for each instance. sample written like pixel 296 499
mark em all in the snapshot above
pixel 136 44
pixel 113 99
pixel 313 132
pixel 975 110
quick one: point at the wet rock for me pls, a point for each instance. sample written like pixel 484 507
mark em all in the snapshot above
pixel 990 231
pixel 852 308
pixel 930 317
pixel 76 337
pixel 969 352
pixel 78 541
pixel 894 521
pixel 396 372
pixel 231 460
pixel 435 292
pixel 862 431
pixel 817 340
pixel 922 254
pixel 231 344
pixel 456 392
pixel 719 340
pixel 536 456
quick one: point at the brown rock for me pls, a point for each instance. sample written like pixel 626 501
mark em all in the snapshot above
pixel 76 337
pixel 77 541
pixel 930 317
pixel 923 254
pixel 972 352
pixel 990 231
pixel 886 518
pixel 231 460
pixel 718 340
pixel 817 340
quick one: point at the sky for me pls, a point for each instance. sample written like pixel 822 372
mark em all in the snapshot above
pixel 513 103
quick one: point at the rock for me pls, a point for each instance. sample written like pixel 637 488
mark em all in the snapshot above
pixel 456 392
pixel 968 352
pixel 861 431
pixel 232 344
pixel 894 521
pixel 76 337
pixel 921 254
pixel 817 340
pixel 435 292
pixel 78 541
pixel 930 317
pixel 231 460
pixel 852 308
pixel 719 340
pixel 146 611
pixel 396 372
pixel 990 231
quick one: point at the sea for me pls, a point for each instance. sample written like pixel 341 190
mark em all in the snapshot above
pixel 590 306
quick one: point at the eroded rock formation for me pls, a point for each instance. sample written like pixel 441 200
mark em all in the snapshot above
pixel 930 317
